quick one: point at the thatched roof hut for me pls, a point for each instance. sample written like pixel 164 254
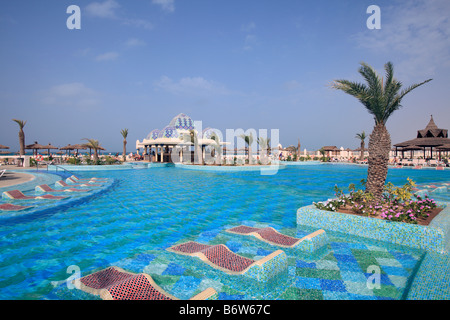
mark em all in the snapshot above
pixel 430 137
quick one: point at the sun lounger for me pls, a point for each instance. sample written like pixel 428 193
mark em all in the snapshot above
pixel 62 183
pixel 13 207
pixel 114 283
pixel 2 172
pixel 74 177
pixel 47 188
pixel 86 183
pixel 310 243
pixel 222 258
pixel 18 195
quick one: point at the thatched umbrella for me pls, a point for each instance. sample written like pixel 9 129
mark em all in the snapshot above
pixel 68 148
pixel 90 149
pixel 35 147
pixel 48 147
pixel 3 147
pixel 79 147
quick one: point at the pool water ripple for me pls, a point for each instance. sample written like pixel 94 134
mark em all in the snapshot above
pixel 147 211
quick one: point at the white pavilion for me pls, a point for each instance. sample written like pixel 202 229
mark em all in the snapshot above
pixel 174 143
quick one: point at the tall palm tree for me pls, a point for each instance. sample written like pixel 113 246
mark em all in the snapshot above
pixel 21 124
pixel 217 148
pixel 361 136
pixel 264 144
pixel 124 133
pixel 248 140
pixel 381 97
pixel 95 145
pixel 192 137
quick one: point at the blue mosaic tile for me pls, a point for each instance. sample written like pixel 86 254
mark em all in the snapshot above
pixel 307 283
pixel 263 252
pixel 174 270
pixel 353 276
pixel 188 285
pixel 145 257
pixel 335 295
pixel 332 285
pixel 225 296
pixel 234 245
pixel 395 271
pixel 353 296
pixel 303 264
pixel 345 258
pixel 349 266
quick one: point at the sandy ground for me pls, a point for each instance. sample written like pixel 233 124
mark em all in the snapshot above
pixel 12 178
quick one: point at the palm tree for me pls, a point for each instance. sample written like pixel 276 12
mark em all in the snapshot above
pixel 361 136
pixel 264 144
pixel 248 140
pixel 217 148
pixel 93 144
pixel 124 133
pixel 381 97
pixel 192 137
pixel 21 124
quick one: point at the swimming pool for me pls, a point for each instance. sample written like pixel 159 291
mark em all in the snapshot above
pixel 144 212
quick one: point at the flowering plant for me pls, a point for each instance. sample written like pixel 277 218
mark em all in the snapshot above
pixel 397 204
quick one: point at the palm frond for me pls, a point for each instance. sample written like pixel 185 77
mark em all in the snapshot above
pixel 124 133
pixel 21 123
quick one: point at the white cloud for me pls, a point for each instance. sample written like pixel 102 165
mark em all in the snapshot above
pixel 249 27
pixel 134 42
pixel 108 56
pixel 292 85
pixel 141 23
pixel 105 9
pixel 71 95
pixel 417 31
pixel 166 5
pixel 108 9
pixel 191 85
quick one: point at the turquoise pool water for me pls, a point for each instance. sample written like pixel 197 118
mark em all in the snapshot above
pixel 146 211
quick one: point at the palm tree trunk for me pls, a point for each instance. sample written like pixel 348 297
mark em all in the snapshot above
pixel 124 154
pixel 361 156
pixel 379 147
pixel 95 155
pixel 22 142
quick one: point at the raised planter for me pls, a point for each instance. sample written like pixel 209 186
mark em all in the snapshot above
pixel 434 237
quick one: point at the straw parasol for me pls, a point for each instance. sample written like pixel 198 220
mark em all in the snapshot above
pixel 49 147
pixel 35 147
pixel 68 148
pixel 3 147
pixel 90 149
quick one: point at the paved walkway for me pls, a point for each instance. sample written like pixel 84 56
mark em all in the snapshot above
pixel 13 178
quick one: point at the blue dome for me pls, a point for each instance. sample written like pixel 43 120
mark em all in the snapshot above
pixel 208 132
pixel 153 135
pixel 182 122
pixel 168 132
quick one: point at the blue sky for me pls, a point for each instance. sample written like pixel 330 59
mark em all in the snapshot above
pixel 232 64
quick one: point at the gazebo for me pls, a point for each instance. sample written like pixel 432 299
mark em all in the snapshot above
pixel 428 138
pixel 159 144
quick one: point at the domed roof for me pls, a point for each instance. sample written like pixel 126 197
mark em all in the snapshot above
pixel 168 132
pixel 153 135
pixel 182 122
